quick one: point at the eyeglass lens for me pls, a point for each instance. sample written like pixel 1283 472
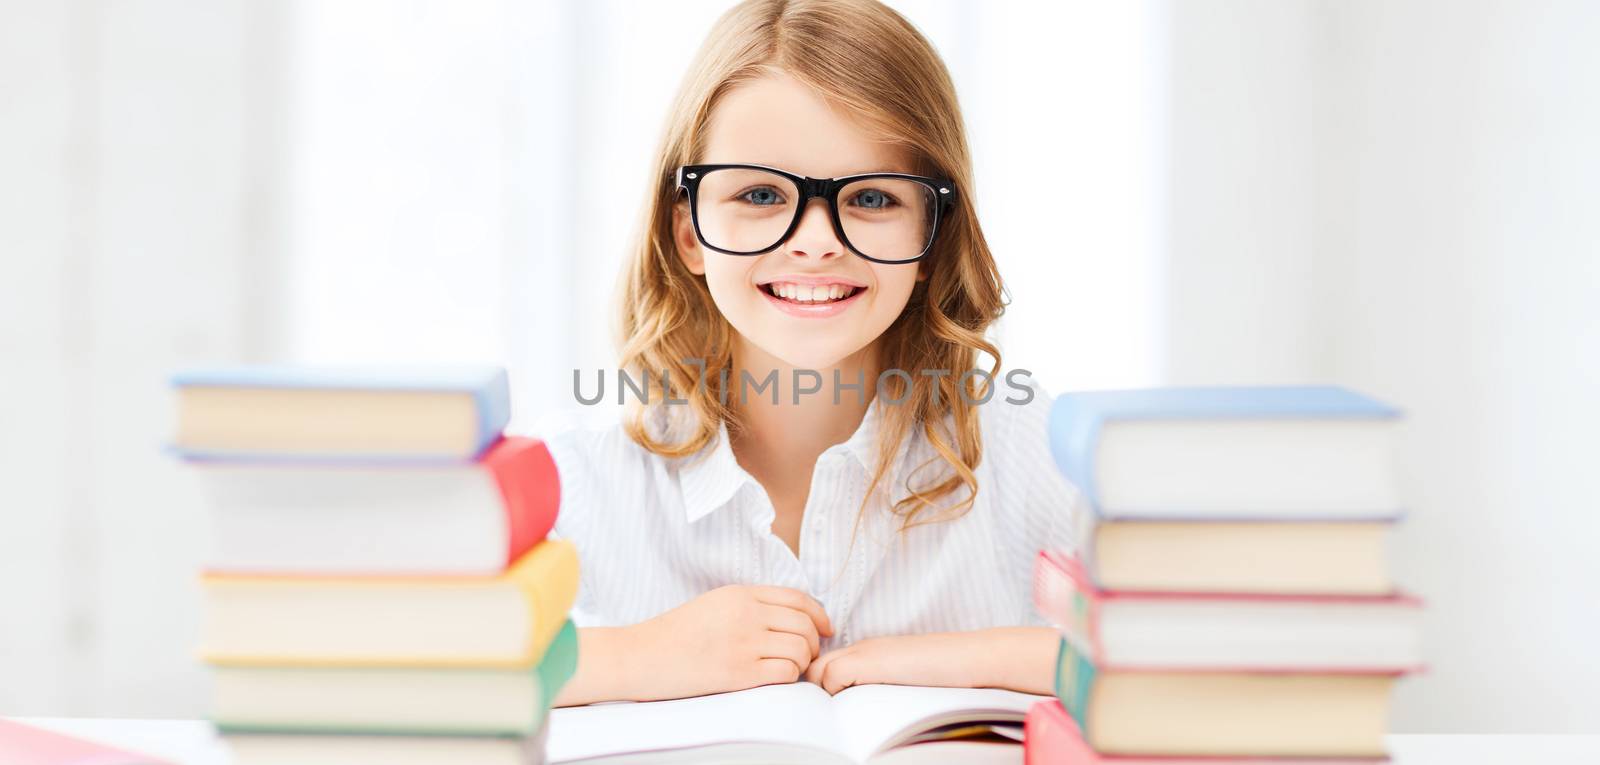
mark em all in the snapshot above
pixel 746 210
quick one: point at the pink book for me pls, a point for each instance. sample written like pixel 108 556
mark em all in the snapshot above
pixel 1050 737
pixel 1227 632
pixel 26 745
pixel 472 519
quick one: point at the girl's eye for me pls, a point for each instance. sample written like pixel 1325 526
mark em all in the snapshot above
pixel 873 199
pixel 762 196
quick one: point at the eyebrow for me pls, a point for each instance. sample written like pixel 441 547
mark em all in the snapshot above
pixel 892 167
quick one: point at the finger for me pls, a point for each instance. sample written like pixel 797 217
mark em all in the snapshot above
pixel 820 665
pixel 789 597
pixel 787 645
pixel 839 674
pixel 780 619
pixel 775 672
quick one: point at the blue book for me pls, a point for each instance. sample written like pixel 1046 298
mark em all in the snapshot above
pixel 1229 453
pixel 368 414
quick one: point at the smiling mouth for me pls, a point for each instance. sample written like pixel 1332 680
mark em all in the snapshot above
pixel 810 294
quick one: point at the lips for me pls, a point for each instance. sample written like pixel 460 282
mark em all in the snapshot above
pixel 811 290
pixel 811 296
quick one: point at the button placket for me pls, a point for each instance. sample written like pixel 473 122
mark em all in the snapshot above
pixel 816 554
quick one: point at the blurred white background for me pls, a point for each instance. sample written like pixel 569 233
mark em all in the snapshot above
pixel 1397 196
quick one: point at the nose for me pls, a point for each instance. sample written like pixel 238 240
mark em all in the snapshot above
pixel 815 237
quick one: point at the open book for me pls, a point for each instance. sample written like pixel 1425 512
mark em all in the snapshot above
pixel 798 723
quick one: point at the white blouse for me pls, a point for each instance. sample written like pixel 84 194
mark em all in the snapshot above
pixel 652 533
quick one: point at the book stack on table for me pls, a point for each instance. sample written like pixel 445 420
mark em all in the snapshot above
pixel 380 588
pixel 1230 599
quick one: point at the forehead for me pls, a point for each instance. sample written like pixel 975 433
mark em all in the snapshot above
pixel 779 121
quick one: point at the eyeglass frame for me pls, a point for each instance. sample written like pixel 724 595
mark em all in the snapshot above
pixel 688 179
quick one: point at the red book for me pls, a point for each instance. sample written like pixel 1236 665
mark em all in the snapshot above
pixel 1227 632
pixel 1050 737
pixel 343 519
pixel 26 745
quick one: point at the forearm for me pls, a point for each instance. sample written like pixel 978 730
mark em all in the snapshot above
pixel 1018 658
pixel 603 670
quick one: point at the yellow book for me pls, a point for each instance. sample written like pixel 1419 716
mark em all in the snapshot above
pixel 502 621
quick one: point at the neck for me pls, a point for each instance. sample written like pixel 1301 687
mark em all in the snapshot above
pixel 801 424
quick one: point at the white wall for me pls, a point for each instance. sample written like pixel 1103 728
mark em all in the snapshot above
pixel 1241 192
pixel 1067 105
pixel 126 250
pixel 1470 291
pixel 1401 197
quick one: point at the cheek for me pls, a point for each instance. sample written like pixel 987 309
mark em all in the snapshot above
pixel 893 290
pixel 728 278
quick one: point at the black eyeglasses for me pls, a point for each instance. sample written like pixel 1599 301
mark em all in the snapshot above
pixel 752 209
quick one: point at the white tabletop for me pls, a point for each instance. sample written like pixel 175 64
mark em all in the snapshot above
pixel 193 742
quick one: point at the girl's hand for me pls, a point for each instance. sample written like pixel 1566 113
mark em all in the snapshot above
pixel 728 639
pixel 1018 658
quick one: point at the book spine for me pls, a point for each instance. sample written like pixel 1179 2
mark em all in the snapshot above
pixel 530 489
pixel 548 578
pixel 1075 676
pixel 559 664
pixel 1051 738
pixel 1074 436
pixel 1065 598
pixel 494 409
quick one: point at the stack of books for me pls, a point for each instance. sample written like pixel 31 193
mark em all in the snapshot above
pixel 379 588
pixel 1230 599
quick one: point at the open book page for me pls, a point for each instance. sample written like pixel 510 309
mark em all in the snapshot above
pixel 874 718
pixel 799 722
pixel 798 715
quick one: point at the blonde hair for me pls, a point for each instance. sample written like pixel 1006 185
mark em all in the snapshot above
pixel 872 64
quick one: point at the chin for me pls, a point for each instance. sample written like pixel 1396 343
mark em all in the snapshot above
pixel 805 350
pixel 809 358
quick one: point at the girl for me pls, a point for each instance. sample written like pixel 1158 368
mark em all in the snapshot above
pixel 822 496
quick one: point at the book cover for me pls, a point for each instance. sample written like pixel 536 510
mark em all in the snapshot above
pixel 394 701
pixel 1224 713
pixel 1051 737
pixel 325 520
pixel 396 621
pixel 27 745
pixel 229 426
pixel 1226 632
pixel 1294 557
pixel 1079 420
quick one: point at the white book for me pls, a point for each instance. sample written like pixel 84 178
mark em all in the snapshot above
pixel 797 724
pixel 1274 453
pixel 375 519
pixel 1228 631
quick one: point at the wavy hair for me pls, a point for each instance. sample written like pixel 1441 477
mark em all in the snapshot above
pixel 873 65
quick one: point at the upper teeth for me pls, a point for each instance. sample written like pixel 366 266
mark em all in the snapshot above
pixel 810 293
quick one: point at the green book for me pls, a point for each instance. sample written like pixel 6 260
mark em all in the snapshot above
pixel 408 701
pixel 1161 712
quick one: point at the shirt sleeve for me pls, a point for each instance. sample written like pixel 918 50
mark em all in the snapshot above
pixel 574 467
pixel 1040 507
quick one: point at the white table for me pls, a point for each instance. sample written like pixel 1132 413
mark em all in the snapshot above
pixel 193 742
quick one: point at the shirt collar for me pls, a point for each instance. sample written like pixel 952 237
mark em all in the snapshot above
pixel 863 444
pixel 710 478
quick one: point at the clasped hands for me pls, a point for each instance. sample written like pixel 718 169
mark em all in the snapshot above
pixel 742 636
